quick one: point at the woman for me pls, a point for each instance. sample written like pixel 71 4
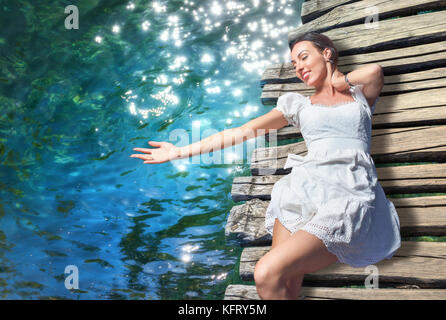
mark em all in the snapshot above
pixel 331 207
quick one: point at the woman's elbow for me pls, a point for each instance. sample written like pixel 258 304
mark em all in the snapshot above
pixel 377 72
pixel 376 75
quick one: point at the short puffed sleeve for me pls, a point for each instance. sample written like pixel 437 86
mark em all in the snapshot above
pixel 357 91
pixel 290 104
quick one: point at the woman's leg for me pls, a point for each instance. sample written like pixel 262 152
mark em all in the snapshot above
pixel 290 259
pixel 280 234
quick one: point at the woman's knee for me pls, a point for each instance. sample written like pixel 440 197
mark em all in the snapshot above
pixel 267 277
pixel 260 273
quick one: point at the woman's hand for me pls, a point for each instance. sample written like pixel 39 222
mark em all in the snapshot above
pixel 338 81
pixel 165 152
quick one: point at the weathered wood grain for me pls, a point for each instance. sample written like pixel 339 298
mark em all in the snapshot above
pixel 313 9
pixel 291 132
pixel 418 216
pixel 249 292
pixel 393 33
pixel 416 263
pixel 421 178
pixel 361 12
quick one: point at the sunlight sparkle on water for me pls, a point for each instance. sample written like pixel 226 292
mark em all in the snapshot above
pixel 257 44
pixel 158 7
pixel 221 276
pixel 186 257
pixel 173 20
pixel 187 249
pixel 166 97
pixel 190 248
pixel 214 90
pixel 116 28
pixel 164 35
pixel 132 108
pixel 178 62
pixel 237 92
pixel 161 79
pixel 253 26
pixel 206 58
pixel 145 25
pixel 216 8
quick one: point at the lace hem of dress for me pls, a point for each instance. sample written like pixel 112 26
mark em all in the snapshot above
pixel 340 250
pixel 333 238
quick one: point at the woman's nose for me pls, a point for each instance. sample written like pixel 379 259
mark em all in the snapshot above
pixel 298 69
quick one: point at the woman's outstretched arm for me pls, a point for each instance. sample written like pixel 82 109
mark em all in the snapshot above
pixel 166 151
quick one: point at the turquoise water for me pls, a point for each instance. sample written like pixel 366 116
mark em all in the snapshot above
pixel 74 103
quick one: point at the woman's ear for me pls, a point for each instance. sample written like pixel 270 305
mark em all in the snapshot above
pixel 328 54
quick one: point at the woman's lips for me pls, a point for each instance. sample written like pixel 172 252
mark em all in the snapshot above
pixel 306 75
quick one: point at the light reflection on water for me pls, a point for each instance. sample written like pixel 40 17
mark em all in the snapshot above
pixel 74 109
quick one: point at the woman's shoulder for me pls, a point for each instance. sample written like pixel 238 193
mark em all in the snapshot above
pixel 291 97
pixel 290 104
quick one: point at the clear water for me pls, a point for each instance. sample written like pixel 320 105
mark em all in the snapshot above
pixel 74 103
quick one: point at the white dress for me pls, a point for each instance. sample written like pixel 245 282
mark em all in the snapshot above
pixel 333 192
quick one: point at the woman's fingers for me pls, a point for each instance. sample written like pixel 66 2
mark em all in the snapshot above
pixel 154 143
pixel 153 152
pixel 141 156
pixel 145 150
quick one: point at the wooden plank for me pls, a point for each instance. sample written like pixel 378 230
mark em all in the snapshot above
pixel 249 292
pixel 418 216
pixel 400 62
pixel 291 132
pixel 394 180
pixel 426 143
pixel 416 263
pixel 313 9
pixel 358 13
pixel 399 59
pixel 393 33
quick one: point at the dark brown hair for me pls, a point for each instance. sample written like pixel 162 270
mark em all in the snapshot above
pixel 320 41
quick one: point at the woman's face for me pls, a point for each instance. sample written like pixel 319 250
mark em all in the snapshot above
pixel 310 64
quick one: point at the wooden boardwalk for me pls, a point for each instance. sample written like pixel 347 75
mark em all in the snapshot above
pixel 408 127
